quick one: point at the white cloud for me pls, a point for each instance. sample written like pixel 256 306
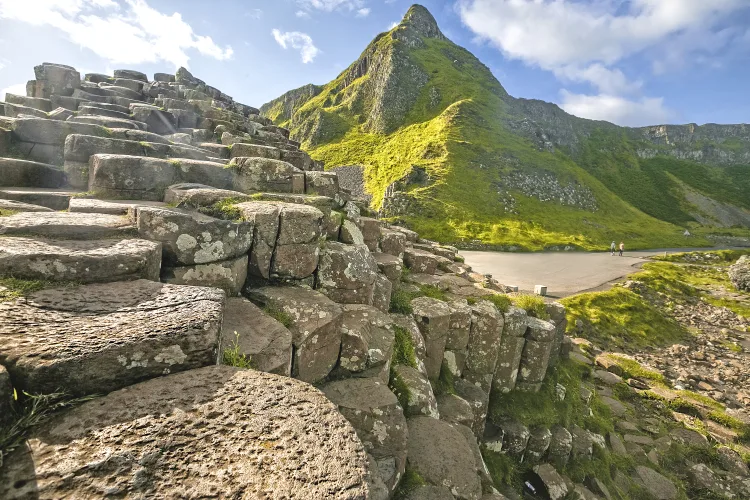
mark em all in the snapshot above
pixel 18 89
pixel 302 14
pixel 299 41
pixel 363 12
pixel 331 5
pixel 615 109
pixel 254 13
pixel 129 32
pixel 606 80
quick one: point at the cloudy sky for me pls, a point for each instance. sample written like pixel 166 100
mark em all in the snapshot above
pixel 632 62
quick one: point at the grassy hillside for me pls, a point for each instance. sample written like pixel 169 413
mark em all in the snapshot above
pixel 488 183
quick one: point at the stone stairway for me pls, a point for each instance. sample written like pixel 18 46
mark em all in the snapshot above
pixel 161 224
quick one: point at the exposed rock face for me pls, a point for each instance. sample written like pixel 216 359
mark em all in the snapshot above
pixel 433 318
pixel 419 395
pixel 739 273
pixel 347 273
pixel 102 337
pixel 298 446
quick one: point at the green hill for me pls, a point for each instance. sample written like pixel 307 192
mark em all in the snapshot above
pixel 445 149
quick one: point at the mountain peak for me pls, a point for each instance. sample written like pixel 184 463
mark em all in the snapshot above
pixel 419 19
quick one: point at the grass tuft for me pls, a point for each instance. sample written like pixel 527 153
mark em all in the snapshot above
pixel 282 317
pixel 234 357
pixel 534 305
pixel 403 348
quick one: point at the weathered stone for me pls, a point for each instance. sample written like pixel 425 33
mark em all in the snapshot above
pixel 539 330
pixel 347 273
pixel 515 437
pixel 739 273
pixel 703 479
pixel 560 446
pixel 516 322
pixel 60 113
pixel 190 238
pixel 158 121
pixel 322 183
pixel 23 173
pixel 455 410
pixel 366 342
pixel 484 341
pixel 80 261
pixel 55 79
pixel 391 266
pixel 376 416
pixel 381 293
pixel 433 318
pixel 417 339
pixel 614 405
pixel 534 361
pixel 508 362
pixel 297 243
pixel 351 234
pixel 478 400
pixel 420 261
pixel 96 111
pixel 392 242
pixel 609 363
pixel 607 377
pixel 111 207
pixel 418 392
pixel 93 339
pixel 689 437
pixel 266 175
pixel 582 443
pixel 32 102
pixel 539 441
pixel 266 343
pixel 299 159
pixel 51 198
pixel 616 444
pixel 66 225
pixel 44 131
pixel 17 206
pixel 731 461
pixel 195 196
pixel 314 321
pixel 265 219
pixel 430 493
pixel 657 485
pixel 370 232
pixel 460 326
pixel 441 455
pixel 229 275
pixel 255 151
pixel 291 443
pixel 554 485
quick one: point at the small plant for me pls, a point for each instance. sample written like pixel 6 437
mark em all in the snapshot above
pixel 399 388
pixel 445 383
pixel 7 212
pixel 403 348
pixel 532 304
pixel 432 292
pixel 174 162
pixel 459 258
pixel 502 302
pixel 401 301
pixel 234 357
pixel 282 317
pixel 410 481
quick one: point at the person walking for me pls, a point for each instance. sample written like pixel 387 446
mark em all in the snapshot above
pixel 622 248
pixel 612 248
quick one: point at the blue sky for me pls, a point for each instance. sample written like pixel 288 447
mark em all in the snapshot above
pixel 633 62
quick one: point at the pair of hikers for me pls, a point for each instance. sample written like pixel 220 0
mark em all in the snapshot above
pixel 613 248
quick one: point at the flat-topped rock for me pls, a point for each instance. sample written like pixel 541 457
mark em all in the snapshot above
pixel 314 321
pixel 191 238
pixel 229 275
pixel 23 173
pixel 433 318
pixel 55 199
pixel 66 225
pixel 347 273
pixel 10 206
pixel 415 390
pixel 92 339
pixel 87 261
pixel 266 175
pixel 193 195
pixel 44 131
pixel 111 207
pixel 285 441
pixel 366 342
pixel 389 265
pixel 420 261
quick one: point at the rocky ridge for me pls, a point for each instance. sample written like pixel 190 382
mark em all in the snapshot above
pixel 152 227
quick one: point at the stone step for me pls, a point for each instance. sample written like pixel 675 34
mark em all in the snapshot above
pixel 44 131
pixel 96 111
pixel 106 121
pixel 24 173
pixel 97 338
pixel 8 207
pixel 111 207
pixel 32 102
pixel 134 85
pixel 258 435
pixel 18 110
pixel 66 225
pixel 139 135
pixel 56 199
pixel 112 107
pixel 89 261
pixel 122 91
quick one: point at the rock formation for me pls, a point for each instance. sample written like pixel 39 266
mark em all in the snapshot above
pixel 152 227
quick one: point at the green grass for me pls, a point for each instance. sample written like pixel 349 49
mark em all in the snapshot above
pixel 534 305
pixel 410 481
pixel 401 298
pixel 225 209
pixel 633 369
pixel 4 212
pixel 403 348
pixel 620 318
pixel 282 317
pixel 234 357
pixel 502 302
pixel 504 471
pixel 399 388
pixel 13 288
pixel 715 257
pixel 446 382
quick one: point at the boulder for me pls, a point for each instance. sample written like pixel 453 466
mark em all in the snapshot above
pixel 553 483
pixel 381 293
pixel 455 410
pixel 433 319
pixel 44 131
pixel 392 242
pixel 88 261
pixel 370 232
pixel 347 273
pixel 266 175
pixel 64 225
pixel 17 206
pixel 92 339
pixel 56 79
pixel 441 455
pixel 479 401
pixel 263 340
pixel 739 273
pixel 731 461
pixel 351 234
pixel 315 323
pixel 24 173
pixel 509 355
pixel 265 219
pixel 158 121
pixel 191 238
pixel 240 149
pixel 413 387
pixel 322 183
pixel 534 361
pixel 539 441
pixel 655 484
pixel 366 342
pixel 582 443
pixel 515 437
pixel 186 195
pixel 460 325
pixel 111 207
pixel 516 322
pixel 391 266
pixel 297 243
pixel 229 275
pixel 420 261
pixel 376 416
pixel 560 446
pixel 141 441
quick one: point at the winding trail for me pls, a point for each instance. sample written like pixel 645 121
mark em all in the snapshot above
pixel 563 273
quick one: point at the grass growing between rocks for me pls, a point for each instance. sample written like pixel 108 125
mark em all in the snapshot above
pixel 4 212
pixel 401 298
pixel 410 481
pixel 13 288
pixel 633 369
pixel 534 305
pixel 281 316
pixel 714 258
pixel 403 348
pixel 232 356
pixel 619 318
pixel 502 302
pixel 30 411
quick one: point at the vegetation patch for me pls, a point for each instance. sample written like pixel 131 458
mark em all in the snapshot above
pixel 13 288
pixel 403 348
pixel 225 209
pixel 410 481
pixel 633 369
pixel 282 317
pixel 401 298
pixel 446 381
pixel 234 357
pixel 4 212
pixel 534 305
